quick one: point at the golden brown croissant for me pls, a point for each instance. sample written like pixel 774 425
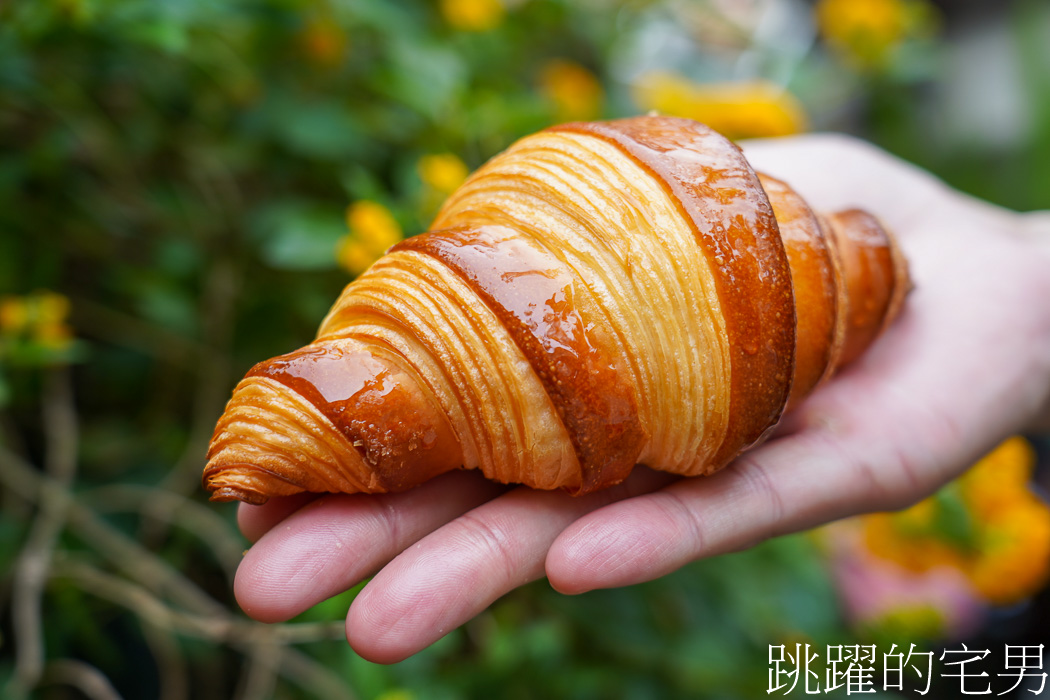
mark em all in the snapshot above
pixel 599 295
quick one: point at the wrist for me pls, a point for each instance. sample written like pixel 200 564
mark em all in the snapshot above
pixel 1036 228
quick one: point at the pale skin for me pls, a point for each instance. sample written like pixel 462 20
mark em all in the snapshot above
pixel 966 365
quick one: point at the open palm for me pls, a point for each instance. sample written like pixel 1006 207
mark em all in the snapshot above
pixel 967 363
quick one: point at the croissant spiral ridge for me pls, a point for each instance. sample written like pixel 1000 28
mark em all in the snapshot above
pixel 597 296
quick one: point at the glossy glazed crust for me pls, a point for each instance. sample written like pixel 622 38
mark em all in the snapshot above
pixel 737 234
pixel 598 295
pixel 340 416
pixel 815 271
pixel 532 295
pixel 614 240
pixel 875 278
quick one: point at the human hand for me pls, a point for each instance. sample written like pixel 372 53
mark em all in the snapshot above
pixel 965 365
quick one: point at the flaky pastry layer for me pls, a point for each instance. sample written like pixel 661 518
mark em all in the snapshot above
pixel 599 295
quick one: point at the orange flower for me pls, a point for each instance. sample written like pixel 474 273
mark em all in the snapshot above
pixel 14 314
pixel 889 536
pixel 56 336
pixel 993 484
pixel 324 41
pixel 737 110
pixel 1015 559
pixel 573 90
pixel 987 524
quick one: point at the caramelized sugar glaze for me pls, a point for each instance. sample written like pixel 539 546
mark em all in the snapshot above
pixel 599 295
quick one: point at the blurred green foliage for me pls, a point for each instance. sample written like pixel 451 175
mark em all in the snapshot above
pixel 179 170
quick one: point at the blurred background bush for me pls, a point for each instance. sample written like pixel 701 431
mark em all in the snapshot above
pixel 186 185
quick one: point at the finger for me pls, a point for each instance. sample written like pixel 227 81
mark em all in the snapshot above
pixel 811 477
pixel 337 540
pixel 256 521
pixel 1035 225
pixel 454 573
pixel 653 535
pixel 881 436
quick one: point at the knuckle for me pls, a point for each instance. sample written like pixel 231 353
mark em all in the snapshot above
pixel 491 540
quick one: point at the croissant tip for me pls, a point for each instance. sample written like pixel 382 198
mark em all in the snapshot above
pixel 231 493
pixel 232 482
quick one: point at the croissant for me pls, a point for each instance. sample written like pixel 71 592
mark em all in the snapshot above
pixel 597 296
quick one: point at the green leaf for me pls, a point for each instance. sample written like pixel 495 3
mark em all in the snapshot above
pixel 321 130
pixel 953 521
pixel 428 77
pixel 296 235
pixel 5 388
pixel 160 34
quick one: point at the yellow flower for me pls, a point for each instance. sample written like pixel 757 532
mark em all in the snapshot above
pixel 373 229
pixel 50 307
pixel 867 31
pixel 575 92
pixel 50 311
pixel 472 15
pixel 14 314
pixel 891 536
pixel 324 41
pixel 353 256
pixel 1007 555
pixel 993 483
pixel 1015 559
pixel 56 336
pixel 443 172
pixel 737 110
pixel 39 317
pixel 373 225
